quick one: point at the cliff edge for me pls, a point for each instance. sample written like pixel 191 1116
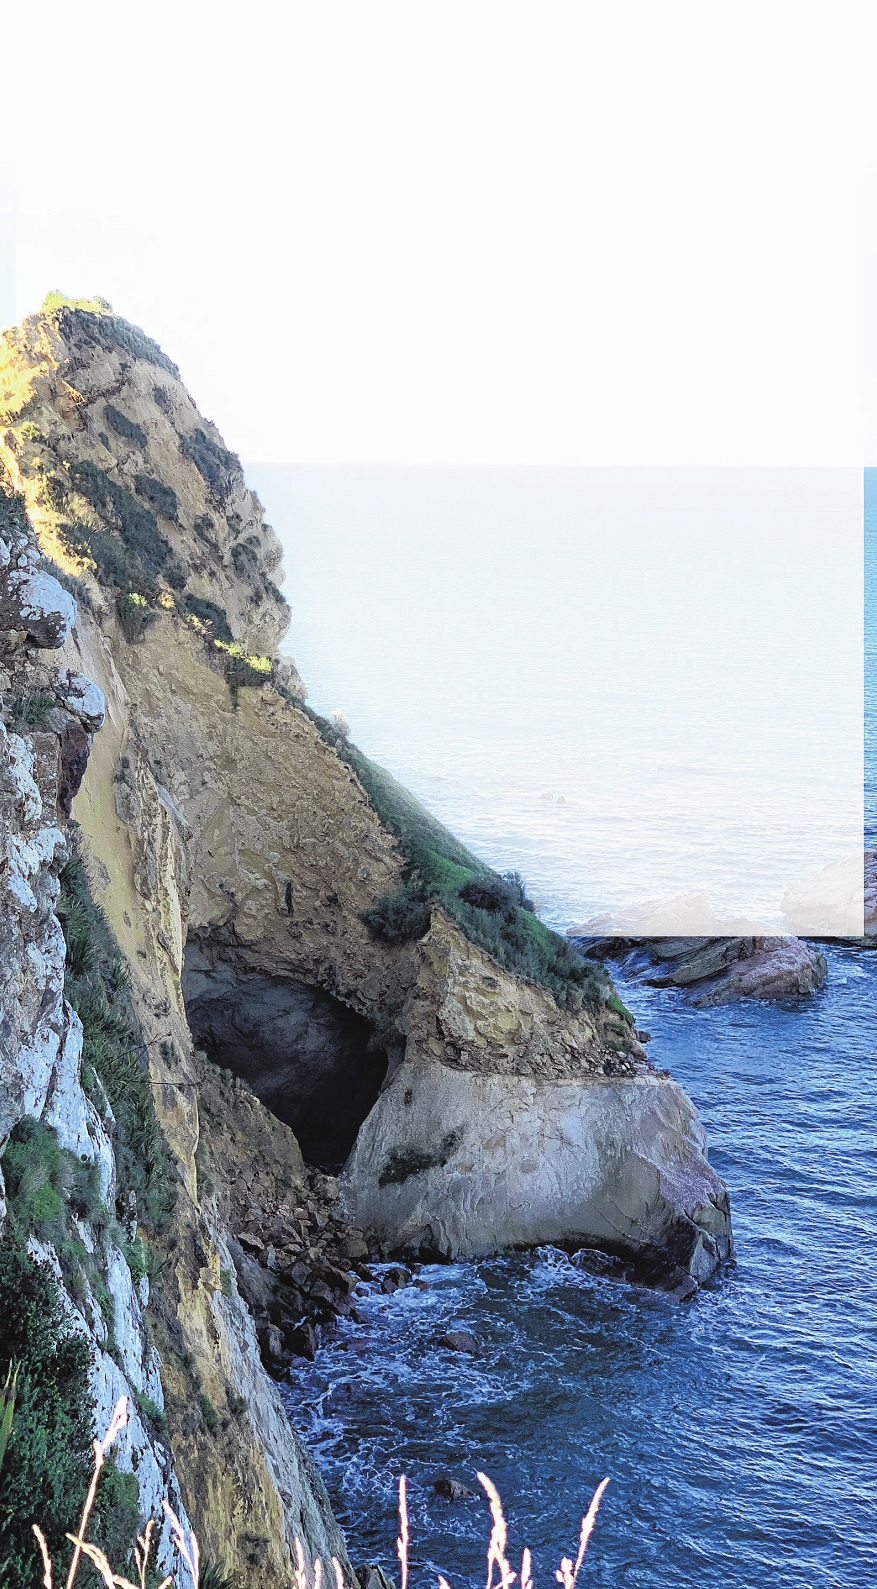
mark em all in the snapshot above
pixel 285 911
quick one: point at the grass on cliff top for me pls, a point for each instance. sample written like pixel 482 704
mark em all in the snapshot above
pixel 59 300
pixel 493 911
pixel 94 321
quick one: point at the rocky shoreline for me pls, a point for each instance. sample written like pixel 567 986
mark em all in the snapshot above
pixel 715 971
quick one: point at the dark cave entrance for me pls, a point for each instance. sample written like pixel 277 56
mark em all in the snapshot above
pixel 309 1058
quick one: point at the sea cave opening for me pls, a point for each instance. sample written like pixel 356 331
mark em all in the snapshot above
pixel 307 1056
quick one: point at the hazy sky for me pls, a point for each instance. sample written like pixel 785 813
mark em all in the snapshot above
pixel 411 231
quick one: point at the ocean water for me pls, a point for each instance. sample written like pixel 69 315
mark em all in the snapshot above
pixel 631 685
pixel 739 1432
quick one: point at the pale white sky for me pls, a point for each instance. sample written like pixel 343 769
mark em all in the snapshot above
pixel 494 232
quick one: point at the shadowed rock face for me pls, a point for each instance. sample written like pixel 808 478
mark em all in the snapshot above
pixel 303 1053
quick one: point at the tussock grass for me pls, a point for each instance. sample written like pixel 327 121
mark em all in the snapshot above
pixel 307 1575
pixel 44 1472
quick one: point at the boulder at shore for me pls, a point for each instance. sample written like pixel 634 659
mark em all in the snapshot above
pixel 718 970
pixel 480 1162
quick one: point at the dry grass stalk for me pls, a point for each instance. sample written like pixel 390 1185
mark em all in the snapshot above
pixel 402 1541
pixel 305 1575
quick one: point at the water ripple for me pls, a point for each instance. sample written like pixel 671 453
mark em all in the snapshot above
pixel 739 1433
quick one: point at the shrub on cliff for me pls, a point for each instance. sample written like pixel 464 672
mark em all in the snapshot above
pixel 399 917
pixel 503 894
pixel 135 614
pixel 244 669
pixel 210 612
pixel 159 496
pixel 127 428
pixel 136 524
pixel 48 1461
pixel 215 464
pixel 13 517
pixel 46 1183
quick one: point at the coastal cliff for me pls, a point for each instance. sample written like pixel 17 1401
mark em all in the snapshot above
pixel 280 909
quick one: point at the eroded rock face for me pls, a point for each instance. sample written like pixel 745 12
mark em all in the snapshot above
pixel 32 1016
pixel 221 815
pixel 467 1011
pixel 458 1163
pixel 41 1036
pixel 254 1491
pixel 82 697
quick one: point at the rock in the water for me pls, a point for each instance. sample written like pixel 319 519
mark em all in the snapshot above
pixel 452 1489
pixel 370 1577
pixel 395 1278
pixel 460 1341
pixel 303 1340
pixel 616 1164
pixel 722 970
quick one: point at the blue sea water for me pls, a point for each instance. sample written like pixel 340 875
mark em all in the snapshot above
pixel 739 1432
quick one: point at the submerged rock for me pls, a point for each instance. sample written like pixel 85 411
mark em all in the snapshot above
pixel 460 1341
pixel 618 1164
pixel 452 1489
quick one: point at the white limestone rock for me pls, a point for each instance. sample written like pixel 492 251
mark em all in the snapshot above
pixel 73 1116
pixel 32 600
pixel 81 697
pixel 481 1162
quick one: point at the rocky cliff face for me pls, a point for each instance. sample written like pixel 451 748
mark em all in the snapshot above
pixel 183 1345
pixel 40 1034
pixel 234 851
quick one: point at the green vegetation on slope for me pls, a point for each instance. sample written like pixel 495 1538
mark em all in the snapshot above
pixel 48 1460
pixel 46 1185
pixel 96 984
pixel 136 552
pixel 127 428
pixel 493 911
pixel 215 464
pixel 55 1197
pixel 13 516
pixel 95 322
